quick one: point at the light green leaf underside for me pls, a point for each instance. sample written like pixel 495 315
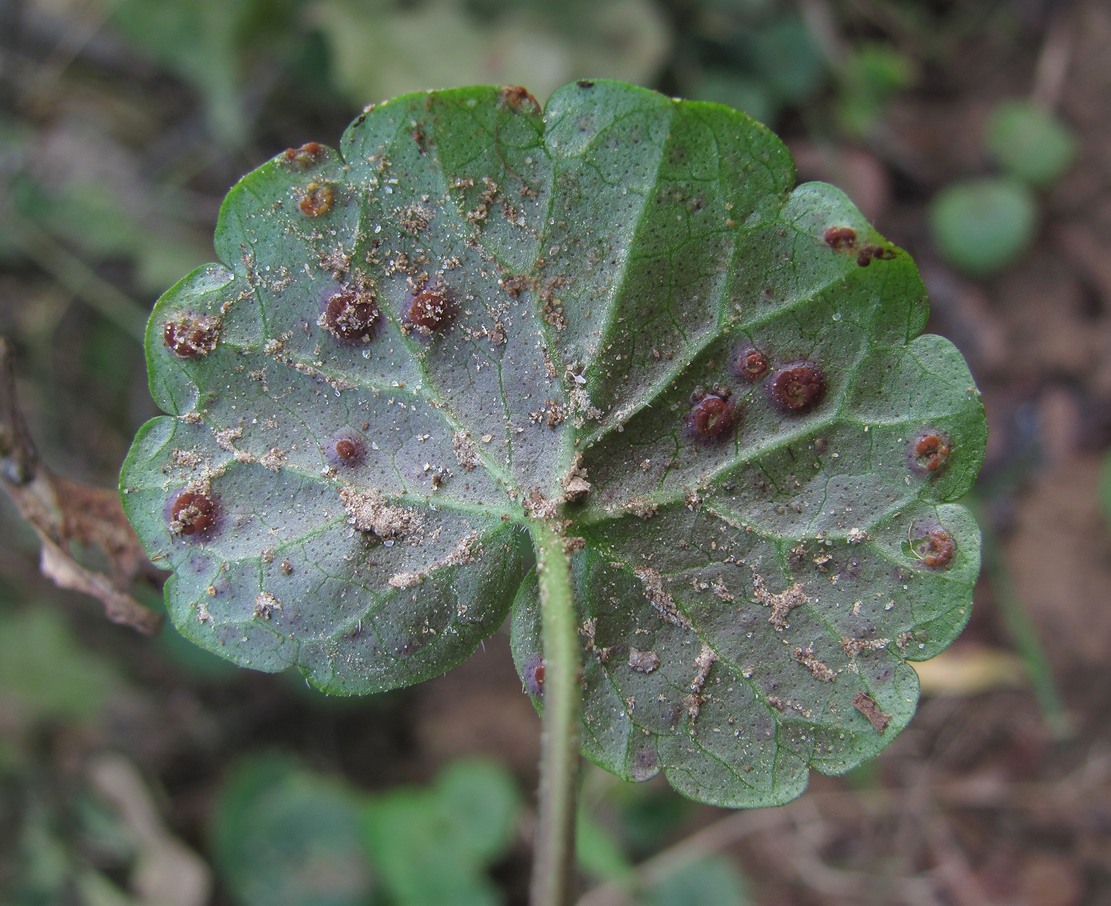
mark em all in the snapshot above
pixel 747 602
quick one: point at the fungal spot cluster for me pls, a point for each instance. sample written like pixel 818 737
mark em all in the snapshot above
pixel 929 452
pixel 431 309
pixel 317 199
pixel 308 155
pixel 751 364
pixel 191 336
pixel 934 548
pixel 350 314
pixel 345 450
pixel 843 239
pixel 193 515
pixel 794 388
pixel 797 388
pixel 711 416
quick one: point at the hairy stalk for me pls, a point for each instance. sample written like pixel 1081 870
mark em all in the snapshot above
pixel 553 874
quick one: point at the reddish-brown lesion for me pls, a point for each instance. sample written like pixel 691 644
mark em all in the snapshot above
pixel 797 388
pixel 191 336
pixel 712 415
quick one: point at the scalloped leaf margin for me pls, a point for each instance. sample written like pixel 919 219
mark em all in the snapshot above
pixel 614 315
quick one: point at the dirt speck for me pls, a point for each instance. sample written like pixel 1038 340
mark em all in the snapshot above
pixel 781 604
pixel 818 669
pixel 866 705
pixel 643 661
pixel 660 599
pixel 370 513
pixel 265 606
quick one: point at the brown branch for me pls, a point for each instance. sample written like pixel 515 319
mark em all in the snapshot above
pixel 62 511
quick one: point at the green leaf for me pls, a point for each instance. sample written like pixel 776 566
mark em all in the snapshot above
pixel 982 226
pixel 1029 142
pixel 432 846
pixel 615 317
pixel 712 881
pixel 283 835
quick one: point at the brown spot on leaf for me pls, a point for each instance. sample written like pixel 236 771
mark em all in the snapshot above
pixel 935 548
pixel 317 199
pixel 797 388
pixel 345 449
pixel 308 155
pixel 929 452
pixel 643 661
pixel 711 417
pixel 518 100
pixel 431 309
pixel 534 675
pixel 751 364
pixel 350 314
pixel 840 238
pixel 191 336
pixel 193 515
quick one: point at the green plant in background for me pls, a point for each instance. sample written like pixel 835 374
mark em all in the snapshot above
pixel 598 367
pixel 983 225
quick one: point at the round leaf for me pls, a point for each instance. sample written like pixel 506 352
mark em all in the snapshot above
pixel 615 317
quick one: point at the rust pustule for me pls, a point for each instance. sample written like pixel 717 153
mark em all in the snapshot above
pixel 711 417
pixel 191 337
pixel 193 515
pixel 797 388
pixel 350 314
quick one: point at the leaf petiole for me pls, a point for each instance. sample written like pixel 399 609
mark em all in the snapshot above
pixel 553 873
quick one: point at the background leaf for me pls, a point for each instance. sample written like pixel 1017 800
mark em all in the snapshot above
pixel 474 316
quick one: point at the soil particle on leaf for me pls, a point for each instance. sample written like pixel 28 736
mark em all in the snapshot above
pixel 641 507
pixel 415 218
pixel 273 459
pixel 406 580
pixel 464 451
pixel 575 485
pixel 705 660
pixel 781 604
pixel 660 599
pixel 265 606
pixel 856 647
pixel 818 669
pixel 866 705
pixel 370 513
pixel 643 661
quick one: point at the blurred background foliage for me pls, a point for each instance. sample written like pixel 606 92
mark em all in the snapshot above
pixel 136 771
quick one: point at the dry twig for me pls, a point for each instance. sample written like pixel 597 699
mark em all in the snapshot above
pixel 62 511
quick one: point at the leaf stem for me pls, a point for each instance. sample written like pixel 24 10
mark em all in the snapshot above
pixel 553 872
